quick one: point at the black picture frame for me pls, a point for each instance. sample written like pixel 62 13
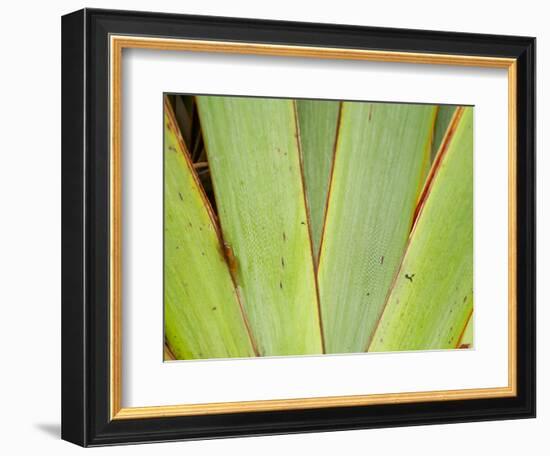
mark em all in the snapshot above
pixel 85 228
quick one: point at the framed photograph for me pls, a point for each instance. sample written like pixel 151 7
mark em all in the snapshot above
pixel 275 227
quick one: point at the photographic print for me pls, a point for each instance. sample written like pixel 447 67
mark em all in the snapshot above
pixel 309 227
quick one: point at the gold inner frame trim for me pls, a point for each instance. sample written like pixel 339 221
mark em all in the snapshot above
pixel 117 44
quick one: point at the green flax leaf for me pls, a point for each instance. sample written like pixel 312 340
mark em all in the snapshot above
pixel 318 120
pixel 254 157
pixel 432 296
pixel 382 155
pixel 203 317
pixel 467 339
pixel 442 121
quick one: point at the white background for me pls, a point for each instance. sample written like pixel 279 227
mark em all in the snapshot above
pixel 30 230
pixel 148 73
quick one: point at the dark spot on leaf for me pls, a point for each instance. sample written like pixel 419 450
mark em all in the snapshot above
pixel 281 285
pixel 368 294
pixel 190 225
pixel 303 223
pixel 465 297
pixel 202 253
pixel 284 236
pixel 409 277
pixel 214 308
pixel 283 262
pixel 382 259
pixel 181 197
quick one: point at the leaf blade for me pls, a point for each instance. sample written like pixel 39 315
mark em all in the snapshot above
pixel 467 338
pixel 381 157
pixel 444 115
pixel 254 159
pixel 203 318
pixel 318 120
pixel 432 297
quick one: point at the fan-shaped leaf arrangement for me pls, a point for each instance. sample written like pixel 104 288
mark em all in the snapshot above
pixel 309 226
